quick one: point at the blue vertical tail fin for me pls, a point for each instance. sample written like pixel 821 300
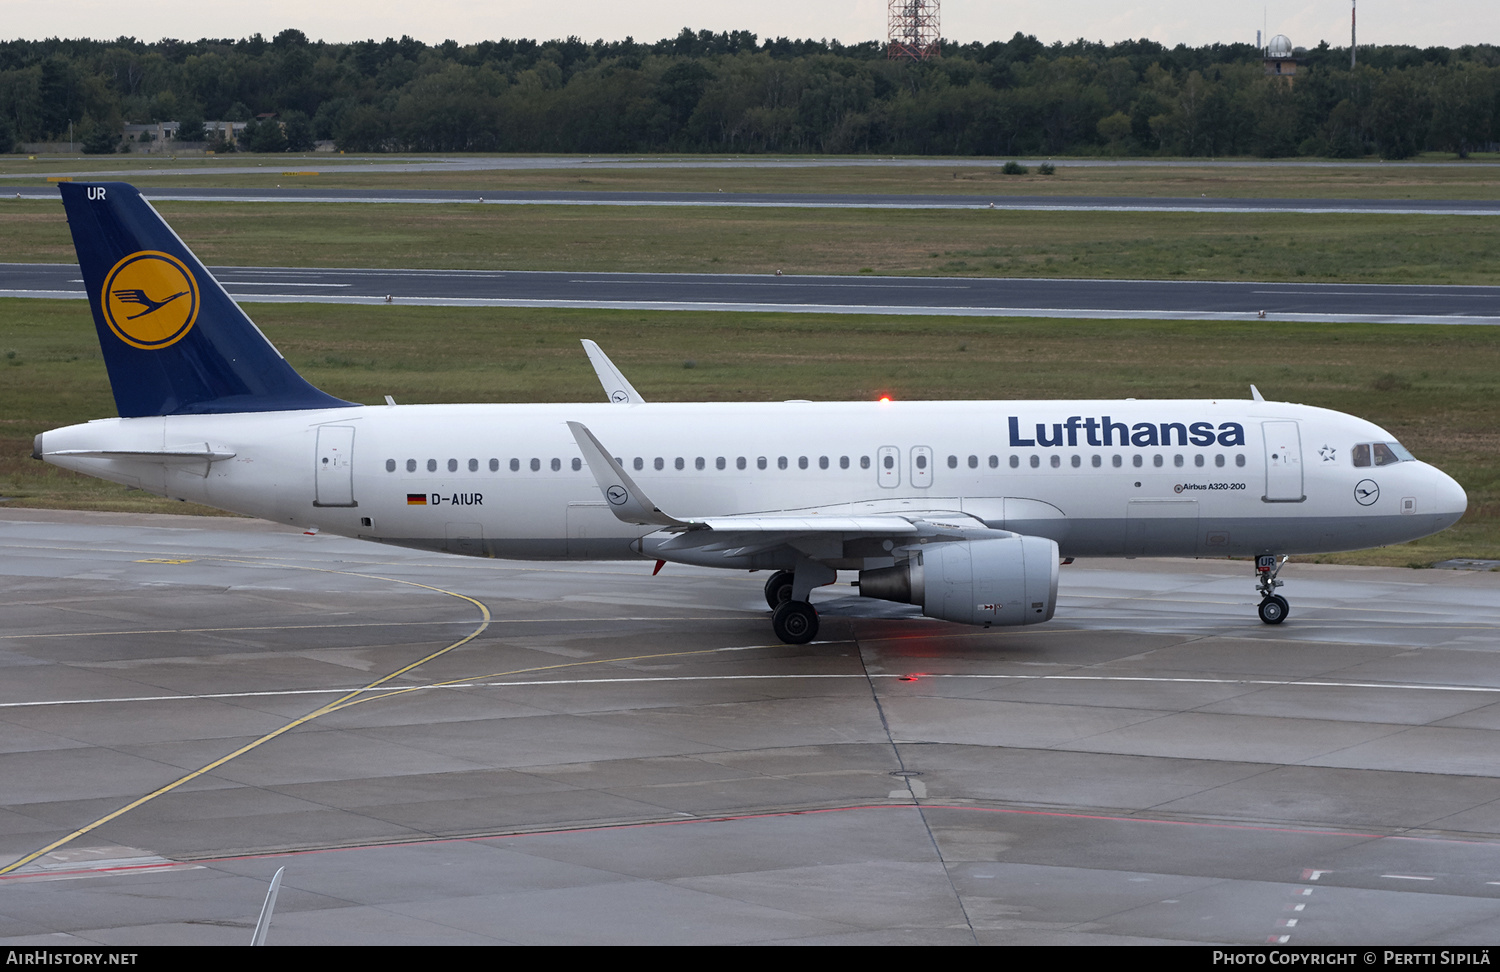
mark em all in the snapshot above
pixel 174 342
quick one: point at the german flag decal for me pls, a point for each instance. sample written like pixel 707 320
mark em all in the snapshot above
pixel 416 499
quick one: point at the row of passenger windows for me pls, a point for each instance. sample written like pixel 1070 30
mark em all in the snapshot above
pixel 640 463
pixel 761 462
pixel 1137 460
pixel 515 465
pixel 889 462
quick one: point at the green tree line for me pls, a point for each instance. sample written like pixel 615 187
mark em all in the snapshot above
pixel 732 92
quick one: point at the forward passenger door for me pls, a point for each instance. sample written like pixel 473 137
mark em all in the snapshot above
pixel 1283 462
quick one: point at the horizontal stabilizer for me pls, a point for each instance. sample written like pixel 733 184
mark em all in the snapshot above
pixel 157 455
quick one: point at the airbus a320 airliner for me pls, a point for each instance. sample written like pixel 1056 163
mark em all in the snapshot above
pixel 961 508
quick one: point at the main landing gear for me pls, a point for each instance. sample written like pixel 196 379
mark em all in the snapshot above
pixel 779 589
pixel 794 621
pixel 1273 607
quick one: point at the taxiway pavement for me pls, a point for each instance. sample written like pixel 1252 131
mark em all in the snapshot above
pixel 808 200
pixel 615 757
pixel 952 296
pixel 226 165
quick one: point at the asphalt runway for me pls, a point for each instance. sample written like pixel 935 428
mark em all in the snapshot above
pixel 613 757
pixel 228 165
pixel 824 200
pixel 959 296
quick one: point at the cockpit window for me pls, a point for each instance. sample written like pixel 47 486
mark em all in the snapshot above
pixel 1379 454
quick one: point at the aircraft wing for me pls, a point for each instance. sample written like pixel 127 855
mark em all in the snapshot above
pixel 631 505
pixel 810 523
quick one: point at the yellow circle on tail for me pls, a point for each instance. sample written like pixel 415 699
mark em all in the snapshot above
pixel 150 300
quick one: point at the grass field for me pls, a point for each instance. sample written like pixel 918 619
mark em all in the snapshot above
pixel 1441 177
pixel 1436 388
pixel 1362 248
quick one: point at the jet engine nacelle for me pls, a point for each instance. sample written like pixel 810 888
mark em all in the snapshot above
pixel 1005 581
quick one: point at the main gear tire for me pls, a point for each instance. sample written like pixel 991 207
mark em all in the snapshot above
pixel 779 589
pixel 795 622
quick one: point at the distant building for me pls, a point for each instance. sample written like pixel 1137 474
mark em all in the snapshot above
pixel 154 137
pixel 229 130
pixel 156 132
pixel 1281 58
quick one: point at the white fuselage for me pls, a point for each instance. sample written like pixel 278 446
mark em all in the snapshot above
pixel 1234 478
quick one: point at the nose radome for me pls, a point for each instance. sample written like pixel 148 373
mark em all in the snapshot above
pixel 1450 497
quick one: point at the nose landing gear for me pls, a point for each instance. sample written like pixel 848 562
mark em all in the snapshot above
pixel 1273 607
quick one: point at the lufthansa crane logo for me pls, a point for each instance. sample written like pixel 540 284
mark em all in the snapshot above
pixel 617 495
pixel 150 300
pixel 1366 492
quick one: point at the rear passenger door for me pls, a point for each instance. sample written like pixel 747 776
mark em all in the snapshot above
pixel 334 477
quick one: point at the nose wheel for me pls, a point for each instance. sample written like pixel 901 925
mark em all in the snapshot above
pixel 1273 607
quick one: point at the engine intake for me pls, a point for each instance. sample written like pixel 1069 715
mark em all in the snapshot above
pixel 1005 581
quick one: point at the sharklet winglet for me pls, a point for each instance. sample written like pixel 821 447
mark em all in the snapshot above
pixel 626 500
pixel 616 388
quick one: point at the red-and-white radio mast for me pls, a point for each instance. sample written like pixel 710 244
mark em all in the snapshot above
pixel 914 30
